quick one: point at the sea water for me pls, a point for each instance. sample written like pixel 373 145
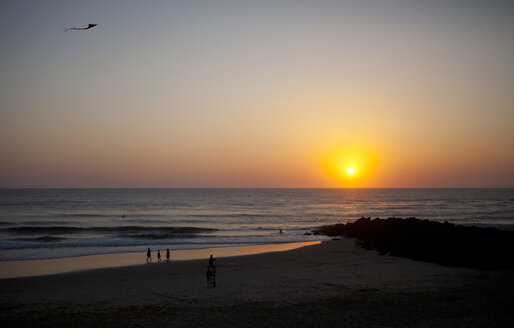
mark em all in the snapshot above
pixel 54 223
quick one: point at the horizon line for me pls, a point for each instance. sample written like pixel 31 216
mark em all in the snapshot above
pixel 263 188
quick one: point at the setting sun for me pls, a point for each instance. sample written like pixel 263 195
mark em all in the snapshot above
pixel 341 163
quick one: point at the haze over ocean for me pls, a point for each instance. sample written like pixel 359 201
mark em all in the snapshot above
pixel 52 223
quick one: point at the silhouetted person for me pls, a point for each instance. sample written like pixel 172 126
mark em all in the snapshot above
pixel 211 261
pixel 167 254
pixel 158 256
pixel 213 277
pixel 280 231
pixel 149 255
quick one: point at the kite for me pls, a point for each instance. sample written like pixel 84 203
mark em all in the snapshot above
pixel 80 28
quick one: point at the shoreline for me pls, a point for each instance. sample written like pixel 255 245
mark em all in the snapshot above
pixel 43 267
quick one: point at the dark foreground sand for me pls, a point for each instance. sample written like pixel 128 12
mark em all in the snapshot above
pixel 332 284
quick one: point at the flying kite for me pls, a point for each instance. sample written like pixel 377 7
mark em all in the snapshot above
pixel 80 28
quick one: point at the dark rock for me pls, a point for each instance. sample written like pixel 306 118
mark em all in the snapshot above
pixel 308 234
pixel 424 240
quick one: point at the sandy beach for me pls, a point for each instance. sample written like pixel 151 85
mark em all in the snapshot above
pixel 331 284
pixel 27 268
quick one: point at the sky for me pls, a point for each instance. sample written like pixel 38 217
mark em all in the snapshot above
pixel 257 94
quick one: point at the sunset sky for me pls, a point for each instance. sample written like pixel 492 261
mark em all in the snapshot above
pixel 257 94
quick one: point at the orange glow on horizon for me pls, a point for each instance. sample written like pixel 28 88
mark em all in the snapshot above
pixel 350 166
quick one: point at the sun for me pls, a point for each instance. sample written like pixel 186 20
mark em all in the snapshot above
pixel 350 166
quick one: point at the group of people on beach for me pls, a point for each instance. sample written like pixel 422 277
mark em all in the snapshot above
pixel 149 255
pixel 211 268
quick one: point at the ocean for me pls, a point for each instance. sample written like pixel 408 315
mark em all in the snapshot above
pixel 56 223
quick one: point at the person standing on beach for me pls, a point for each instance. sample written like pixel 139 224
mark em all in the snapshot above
pixel 148 256
pixel 158 256
pixel 167 254
pixel 211 261
pixel 213 277
pixel 208 276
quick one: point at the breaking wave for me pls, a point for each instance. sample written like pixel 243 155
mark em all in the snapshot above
pixel 117 229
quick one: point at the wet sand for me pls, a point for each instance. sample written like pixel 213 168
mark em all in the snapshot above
pixel 332 284
pixel 27 268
